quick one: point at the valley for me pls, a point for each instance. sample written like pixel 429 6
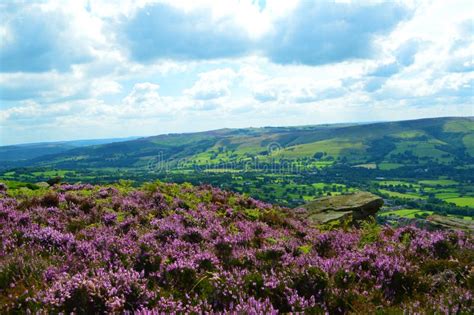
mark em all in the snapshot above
pixel 424 165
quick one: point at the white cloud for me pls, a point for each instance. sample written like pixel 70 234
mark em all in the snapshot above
pixel 212 84
pixel 145 101
pixel 247 65
pixel 53 86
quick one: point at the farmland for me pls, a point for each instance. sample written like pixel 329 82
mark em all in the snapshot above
pixel 424 164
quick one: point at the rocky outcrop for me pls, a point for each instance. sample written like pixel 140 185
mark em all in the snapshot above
pixel 42 184
pixel 450 223
pixel 355 207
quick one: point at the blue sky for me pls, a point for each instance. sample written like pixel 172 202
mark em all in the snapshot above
pixel 101 69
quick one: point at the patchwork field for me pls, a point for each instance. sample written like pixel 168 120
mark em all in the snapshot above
pixel 401 195
pixel 333 148
pixel 416 213
pixel 438 182
pixel 462 201
pixel 406 213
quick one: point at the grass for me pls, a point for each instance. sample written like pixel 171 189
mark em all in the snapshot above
pixel 468 141
pixel 438 182
pixel 409 134
pixel 410 214
pixel 322 164
pixel 461 126
pixel 423 149
pixel 446 195
pixel 52 173
pixel 221 170
pixel 385 166
pixel 396 183
pixel 401 195
pixel 322 185
pixel 406 213
pixel 462 201
pixel 333 147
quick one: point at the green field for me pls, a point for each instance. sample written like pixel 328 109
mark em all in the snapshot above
pixel 445 189
pixel 409 134
pixel 401 195
pixel 411 214
pixel 446 195
pixel 423 149
pixel 438 182
pixel 468 141
pixel 396 183
pixel 405 213
pixel 415 164
pixel 460 126
pixel 462 201
pixel 333 148
pixel 322 164
pixel 389 166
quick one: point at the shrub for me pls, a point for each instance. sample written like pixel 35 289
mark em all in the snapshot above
pixel 50 199
pixel 313 282
pixel 370 233
pixel 343 279
pixel 172 249
pixel 442 249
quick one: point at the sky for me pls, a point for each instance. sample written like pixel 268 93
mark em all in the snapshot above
pixel 106 68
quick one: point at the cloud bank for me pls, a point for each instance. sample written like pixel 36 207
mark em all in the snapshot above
pixel 105 69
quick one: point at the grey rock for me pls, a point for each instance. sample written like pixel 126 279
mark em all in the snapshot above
pixel 355 207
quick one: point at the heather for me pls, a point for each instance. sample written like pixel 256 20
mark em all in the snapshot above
pixel 195 249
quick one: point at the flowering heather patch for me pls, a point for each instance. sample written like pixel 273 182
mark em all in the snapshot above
pixel 178 248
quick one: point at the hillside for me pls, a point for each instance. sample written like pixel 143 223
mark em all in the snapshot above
pixel 21 152
pixel 180 248
pixel 385 145
pixel 419 167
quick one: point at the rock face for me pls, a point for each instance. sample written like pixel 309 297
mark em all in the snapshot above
pixel 450 223
pixel 356 207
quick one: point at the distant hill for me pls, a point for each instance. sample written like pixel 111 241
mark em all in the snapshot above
pixel 33 150
pixel 384 145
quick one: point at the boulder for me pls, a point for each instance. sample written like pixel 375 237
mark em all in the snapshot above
pixel 450 223
pixel 3 189
pixel 355 207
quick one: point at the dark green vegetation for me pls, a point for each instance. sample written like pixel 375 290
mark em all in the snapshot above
pixel 426 165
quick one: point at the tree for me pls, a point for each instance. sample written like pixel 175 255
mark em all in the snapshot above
pixel 53 181
pixel 318 155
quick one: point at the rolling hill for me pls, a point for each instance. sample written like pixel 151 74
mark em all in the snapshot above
pixel 446 141
pixel 29 151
